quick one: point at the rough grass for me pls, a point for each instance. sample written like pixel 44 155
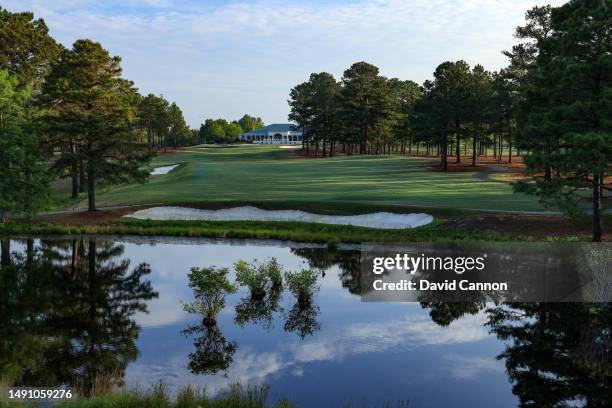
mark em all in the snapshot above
pixel 261 174
pixel 289 231
pixel 189 397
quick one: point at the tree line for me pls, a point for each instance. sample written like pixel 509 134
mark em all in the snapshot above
pixel 69 113
pixel 552 105
pixel 222 131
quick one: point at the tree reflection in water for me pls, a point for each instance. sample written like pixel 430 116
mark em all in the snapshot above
pixel 258 310
pixel 302 319
pixel 348 261
pixel 67 312
pixel 213 353
pixel 67 317
pixel 557 354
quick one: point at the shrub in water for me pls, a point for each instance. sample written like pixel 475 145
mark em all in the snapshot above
pixel 302 284
pixel 275 272
pixel 259 277
pixel 210 286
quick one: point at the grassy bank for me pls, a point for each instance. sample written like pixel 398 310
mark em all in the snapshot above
pixel 289 231
pixel 263 174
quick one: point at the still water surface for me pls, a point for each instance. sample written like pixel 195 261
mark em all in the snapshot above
pixel 74 311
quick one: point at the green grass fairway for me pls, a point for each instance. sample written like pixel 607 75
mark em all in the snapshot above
pixel 273 176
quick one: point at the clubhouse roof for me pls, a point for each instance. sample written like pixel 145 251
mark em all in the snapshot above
pixel 277 133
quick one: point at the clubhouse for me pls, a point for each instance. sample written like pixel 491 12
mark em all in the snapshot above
pixel 278 133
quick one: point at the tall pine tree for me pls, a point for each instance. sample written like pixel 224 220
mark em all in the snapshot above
pixel 572 75
pixel 92 109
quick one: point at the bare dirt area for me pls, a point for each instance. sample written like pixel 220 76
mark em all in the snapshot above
pixel 535 226
pixel 80 218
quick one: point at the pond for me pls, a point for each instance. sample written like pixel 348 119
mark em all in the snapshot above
pixel 76 310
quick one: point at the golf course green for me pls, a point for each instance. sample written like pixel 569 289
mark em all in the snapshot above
pixel 271 175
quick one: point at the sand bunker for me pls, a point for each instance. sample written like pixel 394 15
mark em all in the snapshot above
pixel 163 170
pixel 374 220
pixel 291 147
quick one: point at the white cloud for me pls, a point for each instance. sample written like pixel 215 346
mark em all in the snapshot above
pixel 228 58
pixel 468 368
pixel 402 333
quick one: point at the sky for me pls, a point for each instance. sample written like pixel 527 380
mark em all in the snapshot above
pixel 222 59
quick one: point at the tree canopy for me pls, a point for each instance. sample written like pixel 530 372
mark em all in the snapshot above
pixel 92 109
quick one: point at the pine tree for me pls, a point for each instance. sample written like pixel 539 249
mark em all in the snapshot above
pixel 573 74
pixel 366 100
pixel 23 184
pixel 26 49
pixel 93 109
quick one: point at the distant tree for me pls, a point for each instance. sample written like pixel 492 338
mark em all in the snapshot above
pixel 178 131
pixel 431 121
pixel 154 116
pixel 325 107
pixel 366 100
pixel 23 184
pixel 404 95
pixel 233 131
pixel 567 103
pixel 26 48
pixel 479 104
pixel 315 106
pixel 93 109
pixel 248 123
pixel 217 130
pixel 301 110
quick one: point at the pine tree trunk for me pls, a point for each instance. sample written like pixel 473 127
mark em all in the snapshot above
pixel 474 140
pixel 362 144
pixel 91 198
pixel 5 249
pixel 4 217
pixel 509 146
pixel 82 180
pixel 596 210
pixel 29 252
pixel 458 148
pixel 445 154
pixel 75 179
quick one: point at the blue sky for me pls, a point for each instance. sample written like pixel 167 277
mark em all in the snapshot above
pixel 225 58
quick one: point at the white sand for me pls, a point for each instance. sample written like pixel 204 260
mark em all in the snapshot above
pixel 374 220
pixel 163 170
pixel 291 147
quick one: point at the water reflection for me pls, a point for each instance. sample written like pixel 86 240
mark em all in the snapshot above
pixel 258 310
pixel 69 313
pixel 302 319
pixel 213 352
pixel 558 354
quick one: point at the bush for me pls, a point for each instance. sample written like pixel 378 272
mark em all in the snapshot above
pixel 259 277
pixel 275 272
pixel 210 286
pixel 302 284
